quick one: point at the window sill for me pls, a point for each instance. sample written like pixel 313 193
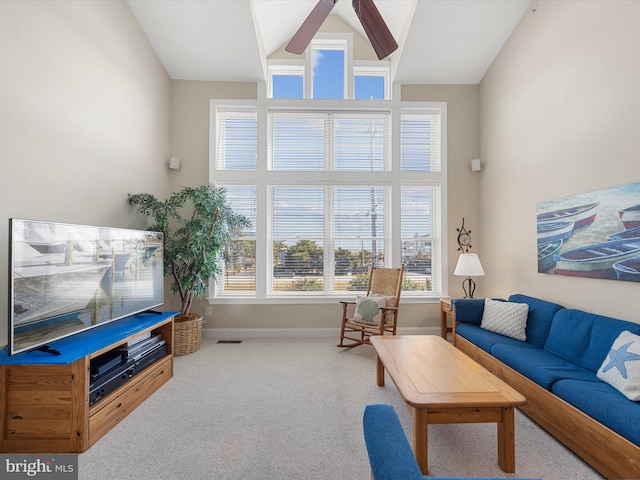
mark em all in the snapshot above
pixel 310 300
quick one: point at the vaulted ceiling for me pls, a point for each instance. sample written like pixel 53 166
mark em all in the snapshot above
pixel 440 41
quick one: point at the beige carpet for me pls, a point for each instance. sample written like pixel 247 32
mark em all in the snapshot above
pixel 292 409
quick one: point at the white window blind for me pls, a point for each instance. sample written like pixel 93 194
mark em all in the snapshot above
pixel 237 139
pixel 420 141
pixel 327 199
pixel 320 140
pixel 240 263
pixel 420 219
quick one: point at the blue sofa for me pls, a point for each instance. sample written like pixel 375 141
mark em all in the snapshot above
pixel 390 454
pixel 555 369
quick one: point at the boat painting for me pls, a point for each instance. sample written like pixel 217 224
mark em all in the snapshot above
pixel 596 260
pixel 580 215
pixel 631 233
pixel 546 252
pixel 552 231
pixel 628 269
pixel 606 232
pixel 630 216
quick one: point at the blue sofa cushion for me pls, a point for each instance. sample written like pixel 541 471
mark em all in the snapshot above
pixel 539 319
pixel 604 403
pixel 485 339
pixel 539 365
pixel 468 310
pixel 585 338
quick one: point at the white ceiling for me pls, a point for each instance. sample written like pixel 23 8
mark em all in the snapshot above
pixel 440 41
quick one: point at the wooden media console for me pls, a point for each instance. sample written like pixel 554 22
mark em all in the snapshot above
pixel 44 398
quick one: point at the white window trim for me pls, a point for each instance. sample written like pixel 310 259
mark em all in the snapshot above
pixel 285 67
pixel 328 41
pixel 373 69
pixel 239 177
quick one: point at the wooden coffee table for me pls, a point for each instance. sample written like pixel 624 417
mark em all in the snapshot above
pixel 440 384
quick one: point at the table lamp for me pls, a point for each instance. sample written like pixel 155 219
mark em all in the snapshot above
pixel 468 266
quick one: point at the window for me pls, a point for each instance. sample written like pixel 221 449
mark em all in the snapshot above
pixel 240 268
pixel 328 72
pixel 371 82
pixel 328 196
pixel 286 81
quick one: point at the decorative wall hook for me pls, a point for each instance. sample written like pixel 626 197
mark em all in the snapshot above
pixel 464 238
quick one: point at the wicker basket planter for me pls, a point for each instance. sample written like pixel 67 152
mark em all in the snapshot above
pixel 187 334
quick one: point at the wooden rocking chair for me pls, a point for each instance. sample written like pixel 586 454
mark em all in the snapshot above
pixel 375 314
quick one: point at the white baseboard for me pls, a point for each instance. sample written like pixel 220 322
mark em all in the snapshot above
pixel 239 333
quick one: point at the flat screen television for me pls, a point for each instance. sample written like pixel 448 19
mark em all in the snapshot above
pixel 65 279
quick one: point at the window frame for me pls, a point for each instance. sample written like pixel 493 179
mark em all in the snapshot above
pixel 352 68
pixel 265 177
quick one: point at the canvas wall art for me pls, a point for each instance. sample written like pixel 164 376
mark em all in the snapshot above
pixel 594 234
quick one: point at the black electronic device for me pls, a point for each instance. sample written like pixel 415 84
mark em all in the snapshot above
pixel 103 384
pixel 105 362
pixel 139 349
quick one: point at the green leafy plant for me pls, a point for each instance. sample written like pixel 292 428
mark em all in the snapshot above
pixel 197 224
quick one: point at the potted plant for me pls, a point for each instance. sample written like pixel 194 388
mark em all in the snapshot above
pixel 197 224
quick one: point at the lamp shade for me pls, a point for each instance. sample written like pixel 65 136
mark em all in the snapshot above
pixel 468 266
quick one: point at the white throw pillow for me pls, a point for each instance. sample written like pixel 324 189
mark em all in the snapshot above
pixel 621 368
pixel 368 309
pixel 505 318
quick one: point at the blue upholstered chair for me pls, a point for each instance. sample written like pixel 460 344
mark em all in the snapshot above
pixel 390 454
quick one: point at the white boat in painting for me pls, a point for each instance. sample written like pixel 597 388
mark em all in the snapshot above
pixel 581 215
pixel 630 216
pixel 628 269
pixel 596 260
pixel 631 233
pixel 552 231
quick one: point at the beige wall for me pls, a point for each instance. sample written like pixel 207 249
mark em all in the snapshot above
pixel 462 184
pixel 559 117
pixel 190 141
pixel 84 117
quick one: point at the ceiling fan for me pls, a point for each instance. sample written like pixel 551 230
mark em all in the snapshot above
pixel 379 35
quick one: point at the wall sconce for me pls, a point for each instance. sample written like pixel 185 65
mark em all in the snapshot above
pixel 468 263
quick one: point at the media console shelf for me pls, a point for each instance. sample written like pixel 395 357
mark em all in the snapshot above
pixel 44 398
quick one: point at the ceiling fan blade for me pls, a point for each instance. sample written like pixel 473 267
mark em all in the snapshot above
pixel 376 29
pixel 310 26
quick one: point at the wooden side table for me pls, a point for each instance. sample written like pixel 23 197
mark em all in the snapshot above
pixel 446 310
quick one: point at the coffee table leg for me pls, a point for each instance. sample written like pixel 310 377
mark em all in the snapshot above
pixel 379 372
pixel 506 441
pixel 421 438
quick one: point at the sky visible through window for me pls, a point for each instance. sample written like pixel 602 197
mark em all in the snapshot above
pixel 328 80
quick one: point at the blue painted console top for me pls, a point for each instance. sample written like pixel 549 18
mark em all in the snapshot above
pixel 85 343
